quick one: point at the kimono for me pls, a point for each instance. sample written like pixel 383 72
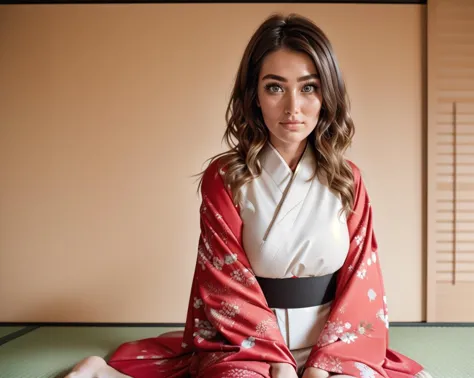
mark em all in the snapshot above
pixel 286 225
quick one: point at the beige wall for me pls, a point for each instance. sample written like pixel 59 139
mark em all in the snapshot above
pixel 107 110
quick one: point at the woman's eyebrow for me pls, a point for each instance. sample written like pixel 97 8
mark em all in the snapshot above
pixel 281 78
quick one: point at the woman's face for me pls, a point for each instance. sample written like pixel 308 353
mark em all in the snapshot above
pixel 289 96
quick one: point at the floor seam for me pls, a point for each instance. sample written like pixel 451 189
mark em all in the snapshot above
pixel 15 335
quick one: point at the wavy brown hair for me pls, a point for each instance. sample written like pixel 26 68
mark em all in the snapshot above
pixel 246 133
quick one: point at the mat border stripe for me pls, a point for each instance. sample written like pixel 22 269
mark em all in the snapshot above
pixel 14 335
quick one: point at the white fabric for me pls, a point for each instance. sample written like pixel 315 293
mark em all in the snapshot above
pixel 300 327
pixel 309 236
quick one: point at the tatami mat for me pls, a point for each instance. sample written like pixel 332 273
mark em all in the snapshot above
pixel 446 352
pixel 48 352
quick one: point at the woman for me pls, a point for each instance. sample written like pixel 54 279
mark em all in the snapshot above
pixel 287 280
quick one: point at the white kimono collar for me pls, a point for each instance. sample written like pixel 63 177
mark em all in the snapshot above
pixel 274 164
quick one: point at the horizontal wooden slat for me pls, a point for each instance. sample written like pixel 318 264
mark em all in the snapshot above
pixel 442 165
pixel 440 200
pixel 442 233
pixel 445 240
pixel 446 270
pixel 460 141
pixel 467 176
pixel 458 221
pixel 461 217
pixel 448 194
pixel 443 265
pixel 461 228
pixel 458 282
pixel 467 276
pixel 462 127
pixel 464 149
pixel 449 252
pixel 447 228
pixel 443 210
pixel 447 266
pixel 460 247
pixel 449 206
pixel 460 237
pixel 446 216
pixel 458 211
pixel 447 166
pixel 461 149
pixel 445 163
pixel 461 186
pixel 446 247
pixel 447 157
pixel 448 257
pixel 460 276
pixel 448 177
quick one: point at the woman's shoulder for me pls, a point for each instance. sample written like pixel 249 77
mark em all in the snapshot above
pixel 212 179
pixel 215 193
pixel 355 170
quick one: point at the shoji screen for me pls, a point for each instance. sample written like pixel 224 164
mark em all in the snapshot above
pixel 450 160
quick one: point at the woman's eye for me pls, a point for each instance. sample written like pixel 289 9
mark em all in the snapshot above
pixel 273 88
pixel 276 88
pixel 310 88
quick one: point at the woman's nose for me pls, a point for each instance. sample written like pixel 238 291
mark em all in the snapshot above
pixel 293 104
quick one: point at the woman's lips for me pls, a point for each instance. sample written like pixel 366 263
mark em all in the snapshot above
pixel 292 125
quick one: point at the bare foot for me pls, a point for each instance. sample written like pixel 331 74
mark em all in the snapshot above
pixel 94 367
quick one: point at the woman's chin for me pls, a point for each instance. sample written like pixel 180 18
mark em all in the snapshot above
pixel 292 137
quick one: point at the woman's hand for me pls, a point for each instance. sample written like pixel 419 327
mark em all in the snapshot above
pixel 282 370
pixel 318 373
pixel 313 372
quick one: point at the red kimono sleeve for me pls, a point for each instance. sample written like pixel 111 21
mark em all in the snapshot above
pixel 354 340
pixel 228 312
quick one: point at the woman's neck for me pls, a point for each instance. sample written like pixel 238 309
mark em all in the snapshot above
pixel 291 153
